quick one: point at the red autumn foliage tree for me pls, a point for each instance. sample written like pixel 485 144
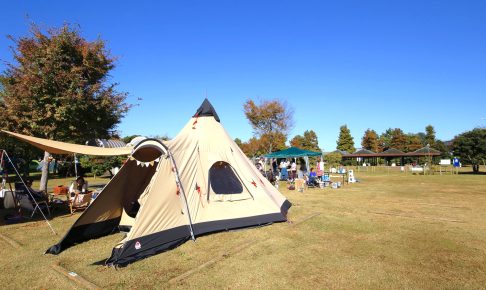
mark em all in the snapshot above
pixel 58 88
pixel 271 121
pixel 370 140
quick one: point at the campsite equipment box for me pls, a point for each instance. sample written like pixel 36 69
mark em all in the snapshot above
pixel 60 189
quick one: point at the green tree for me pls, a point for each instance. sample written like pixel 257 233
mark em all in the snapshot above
pixel 384 142
pixel 422 138
pixel 129 138
pixel 443 148
pixel 429 136
pixel 238 142
pixel 345 141
pixel 308 142
pixel 100 165
pixel 398 139
pixel 412 142
pixel 297 141
pixel 470 146
pixel 58 88
pixel 271 119
pixel 370 140
pixel 333 159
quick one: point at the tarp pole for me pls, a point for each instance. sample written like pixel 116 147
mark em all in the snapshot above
pixel 75 166
pixel 307 165
pixel 30 193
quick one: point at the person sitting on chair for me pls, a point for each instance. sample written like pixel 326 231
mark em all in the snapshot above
pixel 312 177
pixel 37 195
pixel 79 186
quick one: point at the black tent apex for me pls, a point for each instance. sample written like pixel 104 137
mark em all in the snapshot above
pixel 206 109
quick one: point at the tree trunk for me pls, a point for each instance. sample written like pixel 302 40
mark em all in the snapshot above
pixel 45 172
pixel 475 168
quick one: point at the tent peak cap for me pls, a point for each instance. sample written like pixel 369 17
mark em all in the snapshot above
pixel 206 110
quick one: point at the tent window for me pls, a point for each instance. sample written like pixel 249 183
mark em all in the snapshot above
pixel 223 179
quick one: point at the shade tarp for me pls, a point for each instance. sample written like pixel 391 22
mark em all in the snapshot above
pixel 292 152
pixel 57 147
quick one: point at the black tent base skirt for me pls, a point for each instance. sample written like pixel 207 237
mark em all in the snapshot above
pixel 156 243
pixel 82 233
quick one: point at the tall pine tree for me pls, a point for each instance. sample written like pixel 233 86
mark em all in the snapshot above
pixel 345 141
pixel 429 136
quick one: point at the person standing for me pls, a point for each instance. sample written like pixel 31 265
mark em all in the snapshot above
pixel 293 170
pixel 320 169
pixel 274 166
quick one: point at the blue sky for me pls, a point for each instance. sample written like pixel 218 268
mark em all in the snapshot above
pixel 367 64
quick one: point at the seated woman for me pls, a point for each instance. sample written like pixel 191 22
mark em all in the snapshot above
pixel 79 186
pixel 78 195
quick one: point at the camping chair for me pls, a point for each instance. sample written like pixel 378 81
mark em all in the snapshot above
pixel 24 197
pixel 312 181
pixel 80 201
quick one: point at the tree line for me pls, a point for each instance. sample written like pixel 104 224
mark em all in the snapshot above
pixel 272 120
pixel 391 138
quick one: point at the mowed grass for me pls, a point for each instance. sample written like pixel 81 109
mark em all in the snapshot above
pixel 388 231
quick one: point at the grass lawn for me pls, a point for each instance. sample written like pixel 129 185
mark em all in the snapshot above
pixel 390 230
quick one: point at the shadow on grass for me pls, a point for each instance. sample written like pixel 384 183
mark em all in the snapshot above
pixel 11 216
pixel 472 173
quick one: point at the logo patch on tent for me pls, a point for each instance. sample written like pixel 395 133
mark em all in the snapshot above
pixel 254 183
pixel 138 245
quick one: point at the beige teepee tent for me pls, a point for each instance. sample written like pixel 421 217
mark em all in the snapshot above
pixel 167 193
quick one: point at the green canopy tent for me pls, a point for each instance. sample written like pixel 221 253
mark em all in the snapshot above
pixel 294 152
